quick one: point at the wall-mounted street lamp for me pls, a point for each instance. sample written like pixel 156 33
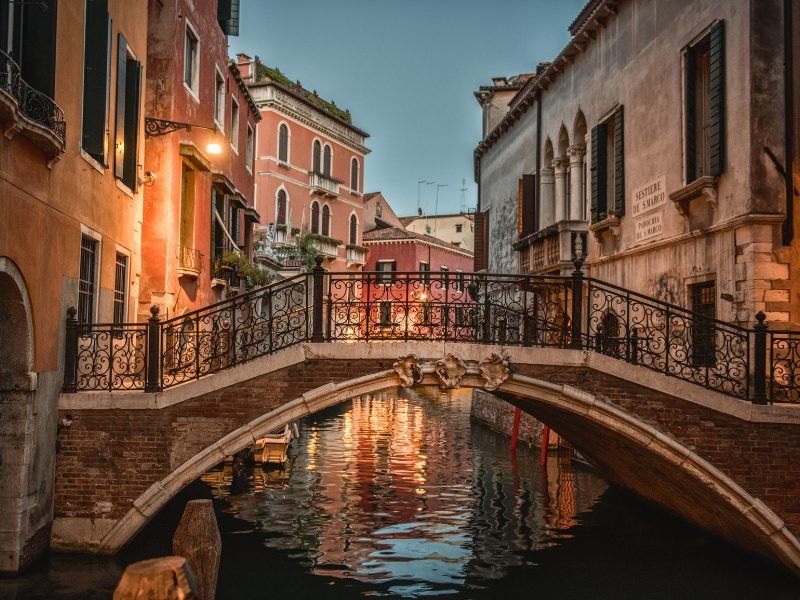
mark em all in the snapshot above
pixel 157 127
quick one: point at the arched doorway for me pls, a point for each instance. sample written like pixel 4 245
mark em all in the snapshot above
pixel 17 386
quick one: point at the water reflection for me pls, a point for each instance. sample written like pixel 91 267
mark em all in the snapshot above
pixel 400 489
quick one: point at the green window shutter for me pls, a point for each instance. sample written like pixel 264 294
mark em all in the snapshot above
pixel 528 216
pixel 717 99
pixel 619 161
pixel 599 133
pixel 119 131
pixel 133 72
pixel 37 44
pixel 95 77
pixel 689 111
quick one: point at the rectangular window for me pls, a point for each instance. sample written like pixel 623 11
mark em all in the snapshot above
pixel 233 223
pixel 120 288
pixel 459 281
pixel 459 227
pixel 249 148
pixel 228 16
pixel 608 167
pixel 234 124
pixel 129 77
pixel 190 59
pixel 704 296
pixel 219 101
pixel 386 270
pixel 385 312
pixel 186 238
pixel 87 286
pixel 704 91
pixel 28 36
pixel 96 76
pixel 481 260
pixel 445 277
pixel 218 239
pixel 425 272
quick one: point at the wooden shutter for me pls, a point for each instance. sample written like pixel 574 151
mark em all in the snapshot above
pixel 133 73
pixel 95 77
pixel 520 209
pixel 689 111
pixel 717 99
pixel 599 133
pixel 37 50
pixel 283 142
pixel 619 162
pixel 119 132
pixel 228 16
pixel 528 205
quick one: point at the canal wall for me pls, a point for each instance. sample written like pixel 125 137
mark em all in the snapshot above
pixel 499 415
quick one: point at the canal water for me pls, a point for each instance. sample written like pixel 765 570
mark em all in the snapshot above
pixel 401 495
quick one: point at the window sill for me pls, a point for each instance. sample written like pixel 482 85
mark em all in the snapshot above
pixel 217 283
pixel 124 188
pixel 192 92
pixel 93 162
pixel 608 225
pixel 284 165
pixel 703 188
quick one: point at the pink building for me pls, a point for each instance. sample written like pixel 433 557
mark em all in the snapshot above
pixel 198 198
pixel 420 285
pixel 309 173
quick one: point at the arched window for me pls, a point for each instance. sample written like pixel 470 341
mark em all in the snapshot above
pixel 353 230
pixel 326 220
pixel 354 175
pixel 326 161
pixel 316 157
pixel 283 143
pixel 280 219
pixel 315 217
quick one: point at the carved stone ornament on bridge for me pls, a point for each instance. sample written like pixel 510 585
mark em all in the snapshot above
pixel 407 369
pixel 450 370
pixel 494 370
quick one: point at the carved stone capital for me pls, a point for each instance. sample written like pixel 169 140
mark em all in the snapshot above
pixel 560 166
pixel 494 370
pixel 576 152
pixel 450 370
pixel 407 369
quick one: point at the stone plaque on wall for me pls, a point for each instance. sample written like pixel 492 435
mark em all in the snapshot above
pixel 647 209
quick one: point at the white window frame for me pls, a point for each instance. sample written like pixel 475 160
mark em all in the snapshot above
pixel 219 100
pixel 311 217
pixel 358 223
pixel 321 150
pixel 127 283
pixel 98 261
pixel 380 278
pixel 250 148
pixel 278 158
pixel 235 126
pixel 288 204
pixel 322 161
pixel 194 89
pixel 330 219
pixel 353 159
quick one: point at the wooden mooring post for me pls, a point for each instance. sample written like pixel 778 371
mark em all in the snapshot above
pixel 197 539
pixel 165 578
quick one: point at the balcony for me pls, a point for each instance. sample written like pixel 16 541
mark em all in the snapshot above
pixel 30 112
pixel 190 262
pixel 323 184
pixel 554 247
pixel 356 255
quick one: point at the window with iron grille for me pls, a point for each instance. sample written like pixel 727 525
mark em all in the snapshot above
pixel 704 296
pixel 87 286
pixel 425 274
pixel 120 287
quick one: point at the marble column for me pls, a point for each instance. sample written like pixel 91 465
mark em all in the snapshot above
pixel 547 216
pixel 560 168
pixel 576 200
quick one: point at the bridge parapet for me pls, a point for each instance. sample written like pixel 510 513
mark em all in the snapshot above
pixel 572 312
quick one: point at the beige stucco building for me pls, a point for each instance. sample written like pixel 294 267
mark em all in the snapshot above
pixel 657 144
pixel 457 229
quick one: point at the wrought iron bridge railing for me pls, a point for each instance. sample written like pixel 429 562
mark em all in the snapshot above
pixel 574 312
pixel 33 105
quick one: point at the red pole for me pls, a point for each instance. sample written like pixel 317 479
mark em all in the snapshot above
pixel 515 429
pixel 545 442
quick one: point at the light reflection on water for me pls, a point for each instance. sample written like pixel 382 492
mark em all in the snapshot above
pixel 401 489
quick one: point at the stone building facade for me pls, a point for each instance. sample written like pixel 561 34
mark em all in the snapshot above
pixel 70 224
pixel 661 144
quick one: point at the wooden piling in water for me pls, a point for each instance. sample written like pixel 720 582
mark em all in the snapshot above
pixel 165 578
pixel 197 539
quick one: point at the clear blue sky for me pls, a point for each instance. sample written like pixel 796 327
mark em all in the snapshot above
pixel 406 70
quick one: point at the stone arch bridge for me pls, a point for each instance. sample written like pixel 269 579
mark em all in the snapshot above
pixel 691 413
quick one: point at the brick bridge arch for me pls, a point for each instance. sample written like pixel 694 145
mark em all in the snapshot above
pixel 726 465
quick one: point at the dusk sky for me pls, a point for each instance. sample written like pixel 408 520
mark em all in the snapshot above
pixel 406 71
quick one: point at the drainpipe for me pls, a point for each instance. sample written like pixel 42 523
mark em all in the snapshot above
pixel 788 100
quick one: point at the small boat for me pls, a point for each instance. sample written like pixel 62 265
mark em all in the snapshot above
pixel 271 449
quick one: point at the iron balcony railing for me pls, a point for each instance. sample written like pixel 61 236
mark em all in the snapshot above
pixel 524 310
pixel 33 105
